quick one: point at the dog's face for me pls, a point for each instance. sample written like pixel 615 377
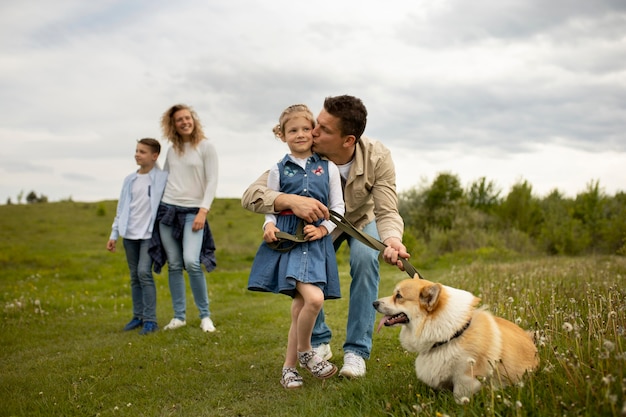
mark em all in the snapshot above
pixel 412 300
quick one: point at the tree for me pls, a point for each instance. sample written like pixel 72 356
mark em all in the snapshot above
pixel 560 232
pixel 483 195
pixel 442 199
pixel 32 198
pixel 521 210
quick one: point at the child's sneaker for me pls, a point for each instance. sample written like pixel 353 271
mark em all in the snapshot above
pixel 133 324
pixel 291 378
pixel 320 368
pixel 149 327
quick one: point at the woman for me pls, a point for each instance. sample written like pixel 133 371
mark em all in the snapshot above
pixel 183 231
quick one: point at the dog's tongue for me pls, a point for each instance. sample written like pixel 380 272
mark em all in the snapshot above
pixel 381 323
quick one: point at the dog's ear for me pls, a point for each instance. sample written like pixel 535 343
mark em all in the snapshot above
pixel 429 296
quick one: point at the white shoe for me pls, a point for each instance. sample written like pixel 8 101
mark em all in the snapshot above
pixel 323 351
pixel 175 324
pixel 353 366
pixel 207 325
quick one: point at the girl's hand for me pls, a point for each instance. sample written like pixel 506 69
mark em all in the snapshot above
pixel 312 232
pixel 269 233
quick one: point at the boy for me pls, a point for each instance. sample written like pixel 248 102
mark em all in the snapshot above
pixel 134 220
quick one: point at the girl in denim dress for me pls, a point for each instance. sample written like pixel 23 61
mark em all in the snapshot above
pixel 307 272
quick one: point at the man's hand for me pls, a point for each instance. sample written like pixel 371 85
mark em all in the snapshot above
pixel 394 251
pixel 307 208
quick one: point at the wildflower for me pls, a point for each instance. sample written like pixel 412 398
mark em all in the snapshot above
pixel 608 345
pixel 606 380
pixel 568 327
pixel 518 404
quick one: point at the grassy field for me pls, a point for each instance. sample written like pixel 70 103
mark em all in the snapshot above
pixel 64 300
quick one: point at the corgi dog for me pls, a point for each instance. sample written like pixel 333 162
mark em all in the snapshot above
pixel 458 345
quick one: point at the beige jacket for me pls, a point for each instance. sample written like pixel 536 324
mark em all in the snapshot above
pixel 370 191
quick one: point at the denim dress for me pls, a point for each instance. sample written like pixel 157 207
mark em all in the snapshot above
pixel 310 262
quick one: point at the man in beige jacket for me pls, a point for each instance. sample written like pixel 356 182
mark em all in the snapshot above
pixel 369 183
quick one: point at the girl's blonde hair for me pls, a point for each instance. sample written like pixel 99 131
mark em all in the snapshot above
pixel 288 114
pixel 169 127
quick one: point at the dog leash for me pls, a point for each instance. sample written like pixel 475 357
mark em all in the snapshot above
pixel 347 227
pixel 287 241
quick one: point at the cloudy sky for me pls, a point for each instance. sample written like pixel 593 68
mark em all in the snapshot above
pixel 510 90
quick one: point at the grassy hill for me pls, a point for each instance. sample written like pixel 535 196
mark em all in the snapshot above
pixel 64 300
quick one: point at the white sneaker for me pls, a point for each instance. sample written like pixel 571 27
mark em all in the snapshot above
pixel 353 366
pixel 207 325
pixel 323 351
pixel 175 324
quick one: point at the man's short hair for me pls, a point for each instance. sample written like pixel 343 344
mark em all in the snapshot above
pixel 350 111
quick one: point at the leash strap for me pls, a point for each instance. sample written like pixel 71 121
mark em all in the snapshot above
pixel 287 241
pixel 347 227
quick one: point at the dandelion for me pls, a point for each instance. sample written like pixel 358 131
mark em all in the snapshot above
pixel 518 404
pixel 568 327
pixel 608 345
pixel 608 379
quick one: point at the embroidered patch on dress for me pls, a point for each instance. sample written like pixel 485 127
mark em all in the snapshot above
pixel 318 171
pixel 288 171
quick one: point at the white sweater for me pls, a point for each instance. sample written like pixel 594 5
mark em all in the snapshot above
pixel 192 180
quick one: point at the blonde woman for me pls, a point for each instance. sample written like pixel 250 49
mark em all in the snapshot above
pixel 184 238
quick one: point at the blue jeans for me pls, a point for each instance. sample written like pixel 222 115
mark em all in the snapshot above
pixel 142 288
pixel 185 254
pixel 364 270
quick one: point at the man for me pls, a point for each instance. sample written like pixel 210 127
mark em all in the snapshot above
pixel 369 184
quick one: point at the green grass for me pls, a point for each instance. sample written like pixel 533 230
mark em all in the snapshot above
pixel 64 299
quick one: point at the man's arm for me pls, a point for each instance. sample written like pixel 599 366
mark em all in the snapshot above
pixel 258 198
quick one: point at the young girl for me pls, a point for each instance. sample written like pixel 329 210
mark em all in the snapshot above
pixel 134 221
pixel 307 272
